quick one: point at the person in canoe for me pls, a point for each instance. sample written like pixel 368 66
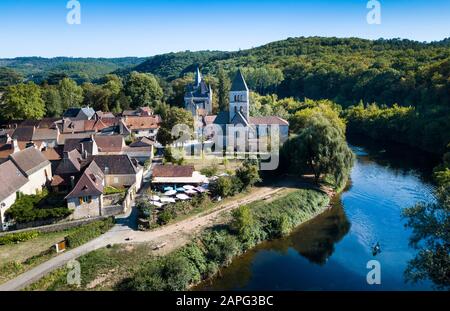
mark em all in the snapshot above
pixel 376 249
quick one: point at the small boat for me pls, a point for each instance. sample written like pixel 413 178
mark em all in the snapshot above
pixel 376 249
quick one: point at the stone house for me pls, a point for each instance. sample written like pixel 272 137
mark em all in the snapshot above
pixel 26 172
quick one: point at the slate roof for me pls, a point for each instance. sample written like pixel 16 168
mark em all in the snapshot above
pixel 109 143
pixel 71 113
pixel 268 120
pixel 11 179
pixel 89 184
pixel 222 118
pixel 70 163
pixel 239 83
pixel 79 144
pixel 173 171
pixel 142 142
pixel 45 134
pixel 29 160
pixel 85 113
pixel 115 164
pixel 23 133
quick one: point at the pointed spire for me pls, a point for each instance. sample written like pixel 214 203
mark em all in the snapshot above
pixel 239 83
pixel 198 77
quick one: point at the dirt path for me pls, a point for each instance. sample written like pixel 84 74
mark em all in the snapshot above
pixel 175 235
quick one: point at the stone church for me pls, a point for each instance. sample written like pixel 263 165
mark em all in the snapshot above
pixel 198 97
pixel 234 123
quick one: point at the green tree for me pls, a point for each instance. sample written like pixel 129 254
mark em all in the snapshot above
pixel 23 101
pixel 172 117
pixel 9 77
pixel 248 173
pixel 52 100
pixel 143 89
pixel 71 94
pixel 223 89
pixel 243 223
pixel 431 237
pixel 321 149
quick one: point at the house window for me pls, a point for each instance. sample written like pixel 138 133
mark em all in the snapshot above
pixel 85 200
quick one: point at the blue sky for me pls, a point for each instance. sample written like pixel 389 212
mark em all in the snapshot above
pixel 114 28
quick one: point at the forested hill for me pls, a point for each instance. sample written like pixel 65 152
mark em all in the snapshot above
pixel 79 69
pixel 346 70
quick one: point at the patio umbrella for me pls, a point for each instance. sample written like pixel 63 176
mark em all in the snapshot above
pixel 180 190
pixel 182 196
pixel 188 187
pixel 200 189
pixel 191 191
pixel 167 200
pixel 170 192
pixel 168 188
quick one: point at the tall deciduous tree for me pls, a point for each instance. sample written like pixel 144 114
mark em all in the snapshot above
pixel 223 89
pixel 52 100
pixel 71 94
pixel 23 101
pixel 143 89
pixel 9 77
pixel 321 149
pixel 171 117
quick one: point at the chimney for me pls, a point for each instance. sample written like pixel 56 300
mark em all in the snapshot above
pixel 15 146
pixel 82 149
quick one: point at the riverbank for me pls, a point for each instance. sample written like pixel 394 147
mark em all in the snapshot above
pixel 218 246
pixel 116 267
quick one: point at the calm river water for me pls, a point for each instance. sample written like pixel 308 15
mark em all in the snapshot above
pixel 331 251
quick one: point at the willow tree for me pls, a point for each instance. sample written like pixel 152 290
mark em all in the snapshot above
pixel 320 149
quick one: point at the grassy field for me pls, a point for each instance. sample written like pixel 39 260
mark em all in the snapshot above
pixel 18 258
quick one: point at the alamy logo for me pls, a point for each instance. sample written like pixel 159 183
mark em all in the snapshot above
pixel 374 275
pixel 374 15
pixel 74 15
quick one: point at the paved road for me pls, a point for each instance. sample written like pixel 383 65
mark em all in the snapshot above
pixel 178 233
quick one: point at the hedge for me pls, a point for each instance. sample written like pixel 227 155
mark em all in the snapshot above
pixel 18 237
pixel 88 232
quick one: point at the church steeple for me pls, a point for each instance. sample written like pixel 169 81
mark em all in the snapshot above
pixel 198 77
pixel 239 100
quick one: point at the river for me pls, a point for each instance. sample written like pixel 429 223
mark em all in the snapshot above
pixel 331 251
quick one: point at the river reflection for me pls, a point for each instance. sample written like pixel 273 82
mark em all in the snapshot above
pixel 331 251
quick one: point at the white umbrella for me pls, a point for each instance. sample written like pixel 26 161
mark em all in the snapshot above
pixel 156 203
pixel 191 191
pixel 170 192
pixel 168 200
pixel 182 196
pixel 155 198
pixel 188 187
pixel 200 189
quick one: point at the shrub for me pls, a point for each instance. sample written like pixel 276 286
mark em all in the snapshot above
pixel 18 237
pixel 165 216
pixel 209 171
pixel 248 173
pixel 29 208
pixel 89 232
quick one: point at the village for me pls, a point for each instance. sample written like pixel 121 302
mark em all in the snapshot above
pixel 97 162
